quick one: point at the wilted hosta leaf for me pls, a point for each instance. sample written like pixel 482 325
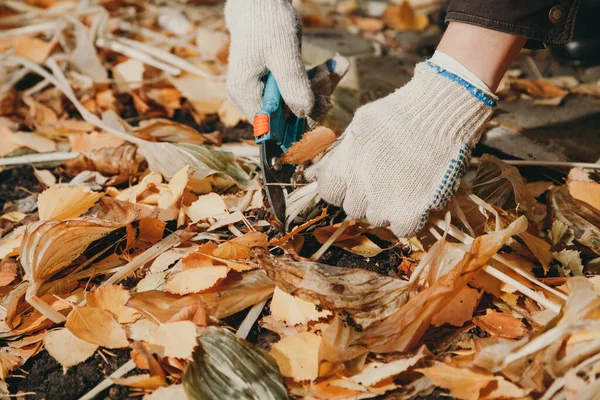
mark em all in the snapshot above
pixel 501 184
pixel 578 216
pixel 168 159
pixel 403 329
pixel 120 162
pixel 227 367
pixel 240 246
pixel 97 326
pixel 66 202
pixel 67 348
pixel 50 246
pixel 366 296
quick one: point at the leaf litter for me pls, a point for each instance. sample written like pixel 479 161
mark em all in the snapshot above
pixel 152 241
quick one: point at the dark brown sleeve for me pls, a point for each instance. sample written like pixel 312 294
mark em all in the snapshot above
pixel 547 21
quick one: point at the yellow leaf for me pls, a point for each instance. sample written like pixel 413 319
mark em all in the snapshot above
pixel 66 202
pixel 97 326
pixel 404 18
pixel 33 49
pixel 463 383
pixel 460 309
pixel 311 145
pixel 113 299
pixel 67 348
pixel 298 356
pixel 540 249
pixel 176 187
pixel 499 324
pixel 195 280
pixel 294 310
pixel 230 115
pixel 151 229
pixel 240 246
pixel 588 192
pixel 207 206
pixel 539 88
pixel 174 339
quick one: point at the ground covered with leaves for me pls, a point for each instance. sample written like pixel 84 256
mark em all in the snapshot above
pixel 138 252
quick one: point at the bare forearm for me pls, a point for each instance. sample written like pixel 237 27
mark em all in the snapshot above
pixel 485 52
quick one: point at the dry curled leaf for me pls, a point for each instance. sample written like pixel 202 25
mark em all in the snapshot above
pixel 311 145
pixel 119 162
pixel 59 203
pixel 97 326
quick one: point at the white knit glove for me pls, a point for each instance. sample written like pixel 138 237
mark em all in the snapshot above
pixel 266 36
pixel 404 155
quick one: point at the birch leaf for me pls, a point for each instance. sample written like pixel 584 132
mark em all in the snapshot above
pixel 97 326
pixel 227 367
pixel 65 202
pixel 113 299
pixel 195 280
pixel 298 356
pixel 207 206
pixel 293 310
pixel 67 348
pixel 174 339
pixel 240 246
pixel 463 383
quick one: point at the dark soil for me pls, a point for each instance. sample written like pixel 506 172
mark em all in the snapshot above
pixel 45 377
pixel 17 183
pixel 385 263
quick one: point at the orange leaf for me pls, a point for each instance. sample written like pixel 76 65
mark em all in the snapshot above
pixel 501 324
pixel 588 192
pixel 404 18
pixel 240 247
pixel 311 145
pixel 97 326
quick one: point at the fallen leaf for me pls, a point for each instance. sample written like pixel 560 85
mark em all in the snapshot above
pixel 293 310
pixel 196 280
pixel 174 339
pixel 34 142
pixel 176 187
pixel 59 203
pixel 207 206
pixel 463 383
pixel 67 348
pixel 540 249
pixel 460 309
pixel 144 381
pixel 404 18
pixel 501 325
pixel 588 192
pixel 539 88
pixel 240 246
pixel 32 48
pixel 227 367
pixel 167 393
pixel 7 145
pixel 8 271
pixel 571 262
pixel 113 299
pixel 164 130
pixel 85 142
pixel 129 75
pixel 151 229
pixel 97 326
pixel 298 356
pixel 367 24
pixel 311 145
pixel 230 115
pixel 284 239
pixel 120 162
pixel 352 240
pixel 45 177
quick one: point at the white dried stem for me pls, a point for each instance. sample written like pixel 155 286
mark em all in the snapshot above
pixel 331 240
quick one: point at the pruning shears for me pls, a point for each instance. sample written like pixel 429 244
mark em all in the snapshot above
pixel 275 130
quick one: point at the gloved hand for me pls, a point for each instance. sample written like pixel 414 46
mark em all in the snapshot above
pixel 266 36
pixel 404 155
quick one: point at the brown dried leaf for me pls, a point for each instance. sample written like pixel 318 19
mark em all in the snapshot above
pixel 352 240
pixel 588 192
pixel 463 383
pixel 7 145
pixel 8 271
pixel 240 246
pixel 144 381
pixel 501 325
pixel 34 142
pixel 311 145
pixel 539 88
pixel 540 249
pixel 367 24
pixel 164 130
pixel 97 326
pixel 460 309
pixel 120 162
